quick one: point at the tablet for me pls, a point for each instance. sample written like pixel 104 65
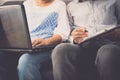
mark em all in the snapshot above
pixel 105 31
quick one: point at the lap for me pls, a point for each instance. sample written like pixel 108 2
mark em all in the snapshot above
pixel 35 57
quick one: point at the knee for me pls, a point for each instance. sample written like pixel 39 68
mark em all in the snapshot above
pixel 61 51
pixel 108 50
pixel 108 53
pixel 24 61
pixel 64 51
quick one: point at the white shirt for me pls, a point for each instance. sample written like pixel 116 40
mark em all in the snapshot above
pixel 36 15
pixel 93 15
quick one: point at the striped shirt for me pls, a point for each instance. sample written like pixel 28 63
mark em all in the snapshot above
pixel 44 22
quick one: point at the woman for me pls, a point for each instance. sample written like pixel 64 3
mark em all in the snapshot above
pixel 47 21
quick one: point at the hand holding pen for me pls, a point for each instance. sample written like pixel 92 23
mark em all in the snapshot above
pixel 79 34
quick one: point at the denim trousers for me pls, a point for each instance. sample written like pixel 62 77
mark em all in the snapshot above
pixel 72 62
pixel 29 65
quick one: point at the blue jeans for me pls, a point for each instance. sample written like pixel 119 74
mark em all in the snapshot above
pixel 29 65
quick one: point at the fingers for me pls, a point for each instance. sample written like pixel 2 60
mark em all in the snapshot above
pixel 40 44
pixel 78 40
pixel 79 31
pixel 79 34
pixel 36 42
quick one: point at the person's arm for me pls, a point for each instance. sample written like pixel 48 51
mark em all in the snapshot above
pixel 63 27
pixel 54 40
pixel 78 35
pixel 61 32
pixel 70 17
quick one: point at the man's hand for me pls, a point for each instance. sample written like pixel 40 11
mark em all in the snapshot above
pixel 79 34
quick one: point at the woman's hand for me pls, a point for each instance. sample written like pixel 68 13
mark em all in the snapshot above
pixel 54 40
pixel 79 34
pixel 39 42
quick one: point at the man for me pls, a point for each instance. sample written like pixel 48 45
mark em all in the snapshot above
pixel 71 61
pixel 48 25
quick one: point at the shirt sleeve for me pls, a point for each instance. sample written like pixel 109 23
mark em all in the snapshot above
pixel 71 21
pixel 70 17
pixel 63 27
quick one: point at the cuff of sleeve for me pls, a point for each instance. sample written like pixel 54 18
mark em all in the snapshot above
pixel 71 40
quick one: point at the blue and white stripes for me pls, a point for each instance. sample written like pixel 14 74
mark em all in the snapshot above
pixel 46 28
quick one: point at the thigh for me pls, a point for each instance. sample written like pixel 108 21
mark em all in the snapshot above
pixel 35 58
pixel 67 51
pixel 108 62
pixel 74 52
